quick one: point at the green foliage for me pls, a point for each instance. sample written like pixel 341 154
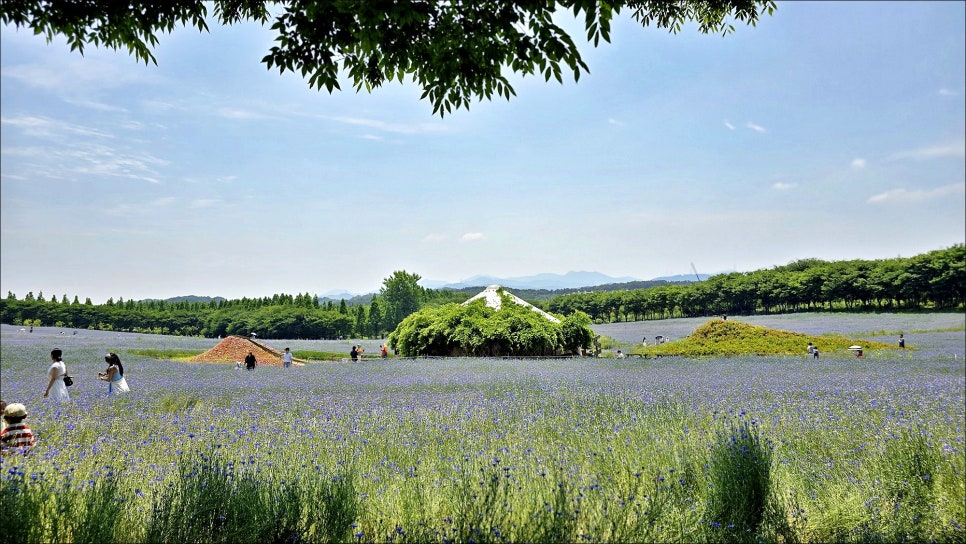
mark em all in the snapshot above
pixel 910 476
pixel 401 295
pixel 478 330
pixel 315 355
pixel 933 280
pixel 174 403
pixel 41 510
pixel 169 354
pixel 739 481
pixel 454 51
pixel 214 501
pixel 730 337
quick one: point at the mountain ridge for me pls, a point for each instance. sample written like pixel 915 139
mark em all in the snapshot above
pixel 537 285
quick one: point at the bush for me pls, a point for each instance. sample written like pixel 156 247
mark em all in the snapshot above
pixel 740 476
pixel 478 330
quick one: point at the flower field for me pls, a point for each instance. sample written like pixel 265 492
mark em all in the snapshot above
pixel 744 448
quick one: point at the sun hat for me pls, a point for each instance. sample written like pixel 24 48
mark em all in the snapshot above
pixel 15 410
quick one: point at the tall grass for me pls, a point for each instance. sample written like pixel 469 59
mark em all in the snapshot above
pixel 739 484
pixel 41 510
pixel 868 450
pixel 216 500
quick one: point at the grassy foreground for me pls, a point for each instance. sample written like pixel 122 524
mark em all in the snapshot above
pixel 731 449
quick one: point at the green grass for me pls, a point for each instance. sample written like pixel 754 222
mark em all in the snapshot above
pixel 309 355
pixel 721 337
pixel 915 331
pixel 168 354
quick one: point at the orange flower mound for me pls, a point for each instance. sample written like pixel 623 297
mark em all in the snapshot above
pixel 236 348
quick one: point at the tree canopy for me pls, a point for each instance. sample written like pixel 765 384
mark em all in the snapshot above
pixel 455 50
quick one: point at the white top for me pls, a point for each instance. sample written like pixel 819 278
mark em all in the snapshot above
pixel 58 391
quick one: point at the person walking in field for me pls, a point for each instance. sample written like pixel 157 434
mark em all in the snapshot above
pixel 287 358
pixel 56 388
pixel 250 361
pixel 902 341
pixel 384 351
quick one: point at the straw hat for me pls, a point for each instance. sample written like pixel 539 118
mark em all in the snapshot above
pixel 15 410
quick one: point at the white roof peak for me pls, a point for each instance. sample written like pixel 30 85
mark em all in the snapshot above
pixel 493 299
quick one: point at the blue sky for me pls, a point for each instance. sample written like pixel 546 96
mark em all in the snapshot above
pixel 831 130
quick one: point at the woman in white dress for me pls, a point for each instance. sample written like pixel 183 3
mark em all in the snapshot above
pixel 56 389
pixel 114 375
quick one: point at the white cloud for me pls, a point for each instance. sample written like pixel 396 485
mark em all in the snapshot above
pixel 44 127
pixel 69 155
pixel 235 113
pixel 613 121
pixel 858 163
pixel 398 128
pixel 947 92
pixel 204 202
pixel 164 201
pixel 756 127
pixel 471 237
pixel 434 237
pixel 784 186
pixel 95 71
pixel 729 125
pixel 951 149
pixel 99 106
pixel 903 195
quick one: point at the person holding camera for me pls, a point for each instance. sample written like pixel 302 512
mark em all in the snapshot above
pixel 114 375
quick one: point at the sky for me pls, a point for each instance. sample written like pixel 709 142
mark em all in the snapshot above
pixel 831 130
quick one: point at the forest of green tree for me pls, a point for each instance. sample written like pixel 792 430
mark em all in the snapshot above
pixel 931 281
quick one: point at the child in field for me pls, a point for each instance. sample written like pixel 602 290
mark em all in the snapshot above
pixel 287 358
pixel 17 436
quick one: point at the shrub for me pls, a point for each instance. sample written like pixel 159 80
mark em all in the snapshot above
pixel 739 475
pixel 478 330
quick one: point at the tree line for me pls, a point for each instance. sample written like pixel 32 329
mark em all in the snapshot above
pixel 933 280
pixel 278 316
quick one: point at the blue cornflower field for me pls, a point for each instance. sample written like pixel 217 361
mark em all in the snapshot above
pixel 762 449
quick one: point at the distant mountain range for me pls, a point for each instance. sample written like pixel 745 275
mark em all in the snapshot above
pixel 539 282
pixel 570 280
